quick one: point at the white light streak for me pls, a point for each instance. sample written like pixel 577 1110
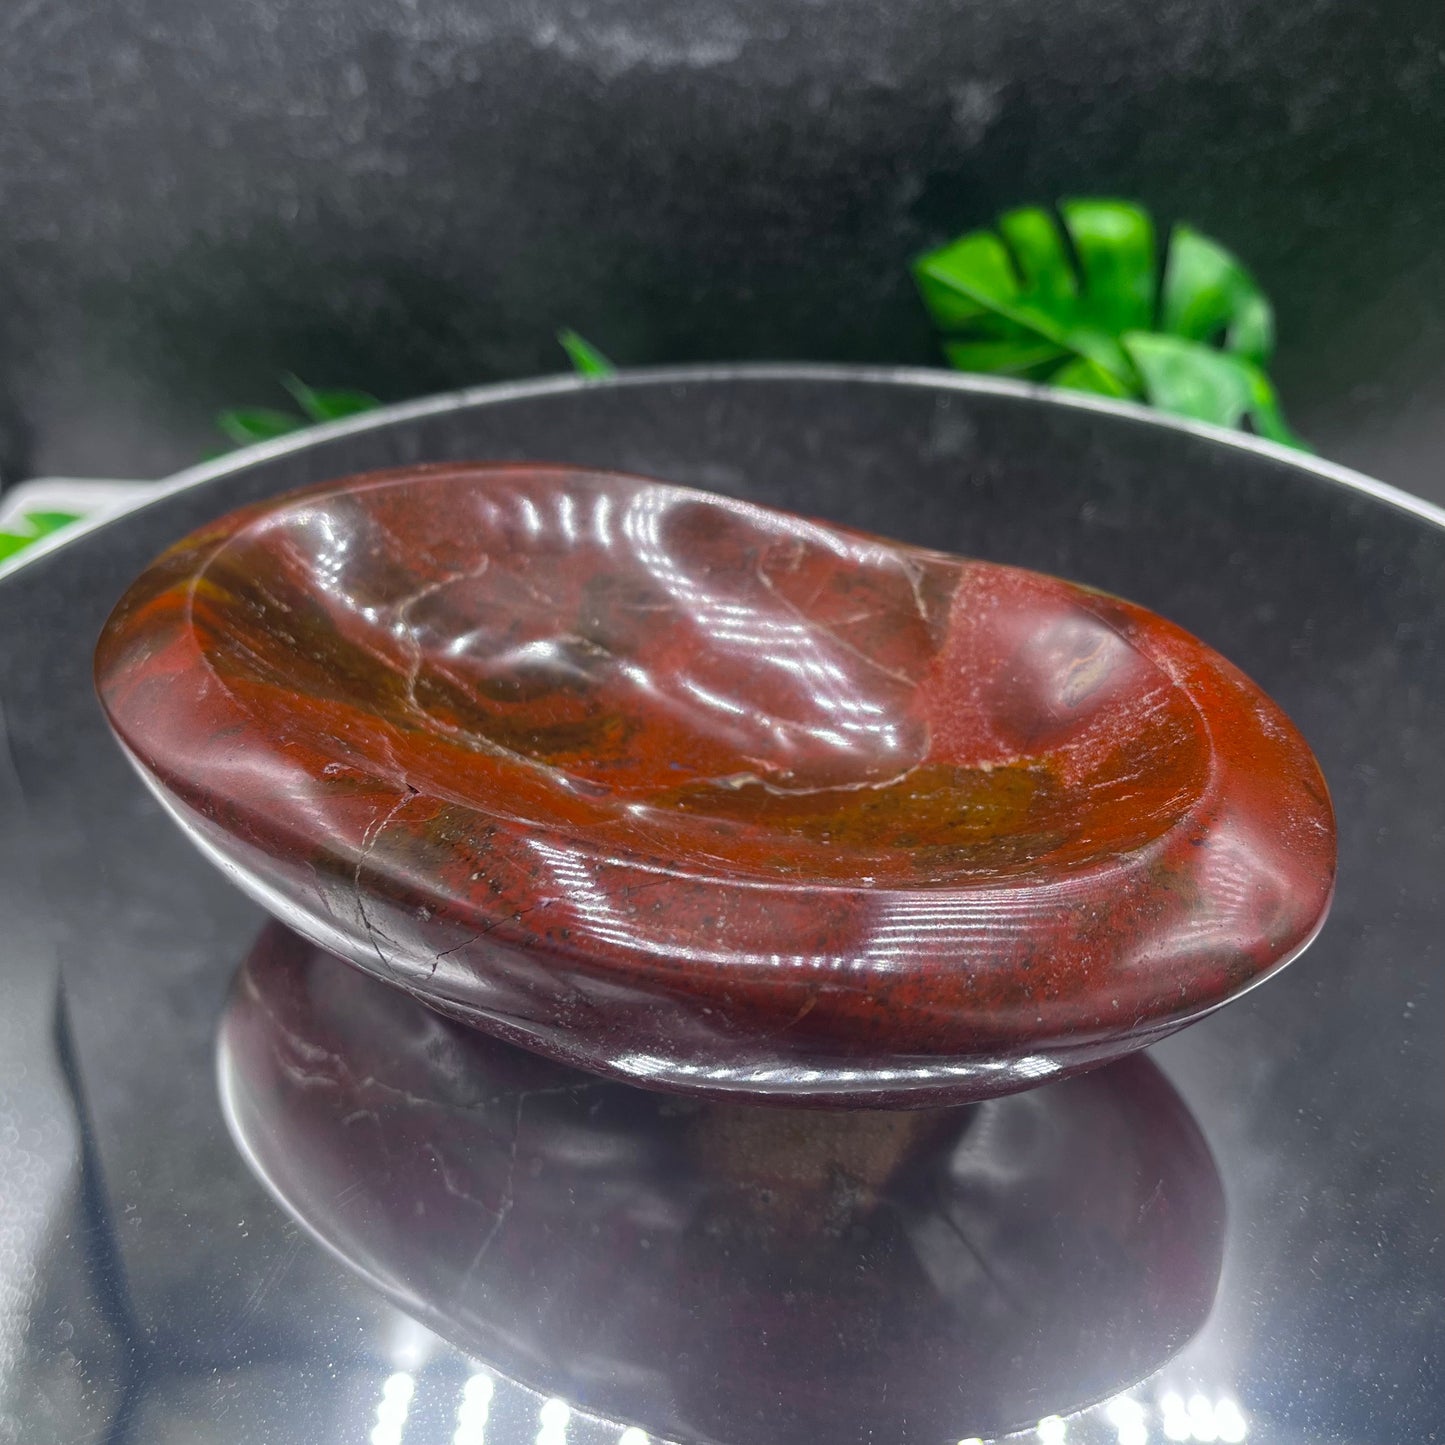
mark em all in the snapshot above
pixel 472 1412
pixel 391 1410
pixel 554 1416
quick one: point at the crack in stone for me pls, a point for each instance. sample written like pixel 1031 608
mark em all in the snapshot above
pixel 368 843
pixel 490 928
pixel 407 633
pixel 813 625
pixel 914 573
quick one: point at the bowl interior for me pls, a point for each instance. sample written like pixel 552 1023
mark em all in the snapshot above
pixel 666 670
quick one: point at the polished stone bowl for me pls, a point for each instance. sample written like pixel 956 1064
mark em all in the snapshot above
pixel 711 796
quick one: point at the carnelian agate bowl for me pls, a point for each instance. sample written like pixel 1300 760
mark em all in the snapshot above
pixel 711 797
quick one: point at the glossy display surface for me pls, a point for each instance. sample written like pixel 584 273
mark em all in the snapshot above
pixel 872 1275
pixel 714 797
pixel 153 1293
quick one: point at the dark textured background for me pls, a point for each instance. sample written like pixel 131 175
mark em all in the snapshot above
pixel 412 195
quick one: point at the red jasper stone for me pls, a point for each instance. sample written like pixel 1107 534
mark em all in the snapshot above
pixel 708 796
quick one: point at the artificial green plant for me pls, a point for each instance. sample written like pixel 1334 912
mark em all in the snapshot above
pixel 1093 297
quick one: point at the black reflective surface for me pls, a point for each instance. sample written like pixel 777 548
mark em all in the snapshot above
pixel 150 1290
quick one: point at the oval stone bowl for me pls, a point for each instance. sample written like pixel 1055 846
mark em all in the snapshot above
pixel 708 796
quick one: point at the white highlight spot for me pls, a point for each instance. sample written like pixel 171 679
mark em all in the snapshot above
pixel 391 1410
pixel 554 1415
pixel 1201 1419
pixel 1230 1422
pixel 476 1405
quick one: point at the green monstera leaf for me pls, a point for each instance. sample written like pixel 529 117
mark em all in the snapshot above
pixel 1078 298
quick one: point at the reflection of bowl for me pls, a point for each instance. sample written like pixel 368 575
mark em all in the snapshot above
pixel 717 1272
pixel 710 796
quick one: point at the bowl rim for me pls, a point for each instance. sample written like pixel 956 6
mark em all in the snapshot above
pixel 925 377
